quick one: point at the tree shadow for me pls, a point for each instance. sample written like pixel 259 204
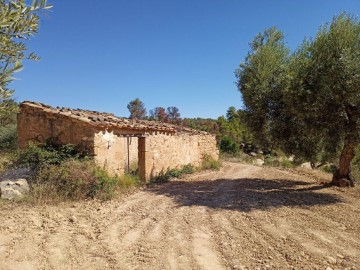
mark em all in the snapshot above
pixel 246 194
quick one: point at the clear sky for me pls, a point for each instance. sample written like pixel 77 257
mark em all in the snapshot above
pixel 99 55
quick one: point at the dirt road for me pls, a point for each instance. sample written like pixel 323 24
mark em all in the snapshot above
pixel 242 217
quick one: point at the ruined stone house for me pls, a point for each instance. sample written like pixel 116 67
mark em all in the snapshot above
pixel 116 143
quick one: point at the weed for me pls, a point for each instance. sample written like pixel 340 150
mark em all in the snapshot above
pixel 209 163
pixel 61 173
pixel 188 169
pixel 271 161
pixel 77 180
pixel 173 173
pixel 285 163
pixel 329 168
pixel 161 178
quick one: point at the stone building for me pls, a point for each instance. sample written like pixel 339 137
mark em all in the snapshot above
pixel 116 143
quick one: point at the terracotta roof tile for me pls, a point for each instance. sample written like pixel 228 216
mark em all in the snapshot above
pixel 109 120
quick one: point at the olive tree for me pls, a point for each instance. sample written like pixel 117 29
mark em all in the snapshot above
pixel 307 102
pixel 262 77
pixel 18 22
pixel 329 90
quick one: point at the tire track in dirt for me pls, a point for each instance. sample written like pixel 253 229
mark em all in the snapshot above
pixel 178 237
pixel 242 217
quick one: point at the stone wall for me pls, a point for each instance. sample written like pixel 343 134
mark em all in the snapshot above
pixel 158 152
pixel 165 152
pixel 111 152
pixel 36 125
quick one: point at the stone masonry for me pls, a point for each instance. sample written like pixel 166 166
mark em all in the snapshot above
pixel 116 143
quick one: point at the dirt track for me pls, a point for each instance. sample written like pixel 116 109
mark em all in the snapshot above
pixel 243 217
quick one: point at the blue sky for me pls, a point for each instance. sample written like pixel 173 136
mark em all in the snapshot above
pixel 99 55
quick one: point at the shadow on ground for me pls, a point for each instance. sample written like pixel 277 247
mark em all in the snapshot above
pixel 245 194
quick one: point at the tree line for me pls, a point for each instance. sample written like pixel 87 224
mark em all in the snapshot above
pixel 230 130
pixel 138 111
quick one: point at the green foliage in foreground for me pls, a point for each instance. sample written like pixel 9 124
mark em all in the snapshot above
pixel 18 22
pixel 78 180
pixel 62 173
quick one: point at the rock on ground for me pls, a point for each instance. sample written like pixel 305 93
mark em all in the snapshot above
pixel 14 189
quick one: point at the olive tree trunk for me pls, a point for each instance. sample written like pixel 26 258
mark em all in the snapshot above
pixel 342 176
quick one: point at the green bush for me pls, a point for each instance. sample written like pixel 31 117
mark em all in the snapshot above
pixel 129 180
pixel 209 163
pixel 161 178
pixel 72 179
pixel 77 180
pixel 174 173
pixel 35 156
pixel 61 172
pixel 227 145
pixel 8 137
pixel 285 163
pixel 329 168
pixel 188 169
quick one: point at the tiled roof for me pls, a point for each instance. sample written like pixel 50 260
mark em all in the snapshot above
pixel 104 121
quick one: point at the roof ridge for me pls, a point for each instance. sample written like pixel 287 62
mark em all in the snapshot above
pixel 110 120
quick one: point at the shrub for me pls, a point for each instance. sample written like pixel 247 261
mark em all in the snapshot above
pixel 37 155
pixel 249 147
pixel 173 173
pixel 73 179
pixel 285 163
pixel 329 168
pixel 129 180
pixel 271 161
pixel 188 169
pixel 76 180
pixel 227 145
pixel 61 172
pixel 209 163
pixel 8 137
pixel 5 161
pixel 161 178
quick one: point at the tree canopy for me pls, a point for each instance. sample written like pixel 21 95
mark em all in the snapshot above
pixel 306 102
pixel 137 109
pixel 173 113
pixel 159 114
pixel 18 22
